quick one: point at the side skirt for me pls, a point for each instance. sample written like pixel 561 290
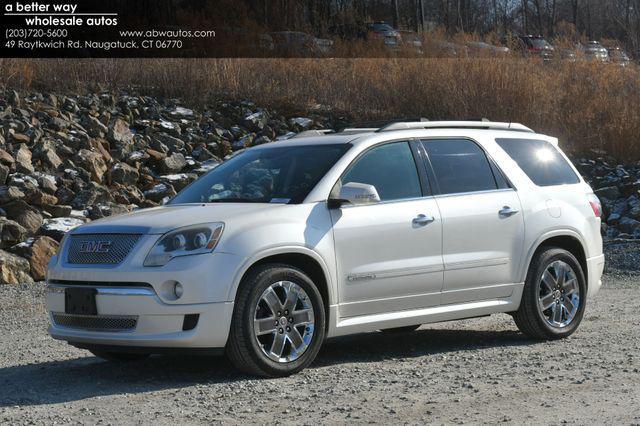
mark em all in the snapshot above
pixel 365 323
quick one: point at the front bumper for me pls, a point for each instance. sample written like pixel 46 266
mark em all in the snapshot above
pixel 156 323
pixel 137 307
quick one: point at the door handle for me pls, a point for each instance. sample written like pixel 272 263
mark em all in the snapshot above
pixel 507 211
pixel 422 220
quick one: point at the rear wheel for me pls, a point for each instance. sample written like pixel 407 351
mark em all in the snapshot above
pixel 278 322
pixel 554 296
pixel 119 356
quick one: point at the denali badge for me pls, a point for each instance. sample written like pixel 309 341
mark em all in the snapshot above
pixel 95 246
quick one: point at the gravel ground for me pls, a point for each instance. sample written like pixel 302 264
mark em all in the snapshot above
pixel 472 371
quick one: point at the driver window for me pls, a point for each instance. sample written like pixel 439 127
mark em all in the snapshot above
pixel 390 168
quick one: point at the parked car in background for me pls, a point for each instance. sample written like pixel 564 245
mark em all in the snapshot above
pixel 618 56
pixel 385 33
pixel 295 43
pixel 568 55
pixel 480 49
pixel 411 42
pixel 445 49
pixel 537 46
pixel 594 51
pixel 324 45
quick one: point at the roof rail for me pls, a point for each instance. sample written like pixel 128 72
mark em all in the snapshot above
pixel 308 133
pixel 484 125
pixel 377 124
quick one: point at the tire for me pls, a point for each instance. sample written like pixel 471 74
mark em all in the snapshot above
pixel 540 291
pixel 120 356
pixel 407 329
pixel 261 355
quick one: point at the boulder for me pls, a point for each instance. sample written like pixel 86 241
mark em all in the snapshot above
pixel 9 194
pixel 39 198
pixel 23 160
pixel 50 158
pixel 120 133
pixel 4 174
pixel 57 227
pixel 173 164
pixel 628 225
pixel 159 192
pixel 93 162
pixel 20 138
pixel 6 159
pixel 124 174
pixel 301 123
pixel 257 121
pixel 91 194
pixel 57 210
pixel 608 192
pixel 172 143
pixel 42 249
pixel 100 211
pixel 180 180
pixel 14 269
pixel 30 220
pixel 11 233
pixel 95 128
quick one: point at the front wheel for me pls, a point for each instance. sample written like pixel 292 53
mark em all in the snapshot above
pixel 554 296
pixel 278 322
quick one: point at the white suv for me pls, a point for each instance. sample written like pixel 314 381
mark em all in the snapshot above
pixel 323 235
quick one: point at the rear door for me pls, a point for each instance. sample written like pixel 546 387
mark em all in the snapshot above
pixel 482 222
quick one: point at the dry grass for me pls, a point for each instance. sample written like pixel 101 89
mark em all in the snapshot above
pixel 587 105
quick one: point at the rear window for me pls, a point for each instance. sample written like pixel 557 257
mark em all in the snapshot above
pixel 540 160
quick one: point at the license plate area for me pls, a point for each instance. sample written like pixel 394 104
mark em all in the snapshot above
pixel 80 301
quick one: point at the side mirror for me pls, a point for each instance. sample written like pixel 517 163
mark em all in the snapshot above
pixel 356 194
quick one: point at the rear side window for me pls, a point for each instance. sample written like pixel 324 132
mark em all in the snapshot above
pixel 390 168
pixel 460 166
pixel 540 160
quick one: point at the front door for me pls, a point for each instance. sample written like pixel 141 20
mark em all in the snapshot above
pixel 388 254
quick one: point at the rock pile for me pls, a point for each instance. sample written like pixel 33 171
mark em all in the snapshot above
pixel 65 160
pixel 618 188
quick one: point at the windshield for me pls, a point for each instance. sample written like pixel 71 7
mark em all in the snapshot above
pixel 271 175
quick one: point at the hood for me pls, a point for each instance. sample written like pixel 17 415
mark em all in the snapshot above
pixel 159 220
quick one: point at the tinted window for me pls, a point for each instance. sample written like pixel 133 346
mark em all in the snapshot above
pixel 460 166
pixel 540 160
pixel 264 175
pixel 390 168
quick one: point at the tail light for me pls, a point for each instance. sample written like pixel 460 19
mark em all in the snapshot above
pixel 595 204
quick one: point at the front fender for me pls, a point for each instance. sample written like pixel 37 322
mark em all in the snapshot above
pixel 328 272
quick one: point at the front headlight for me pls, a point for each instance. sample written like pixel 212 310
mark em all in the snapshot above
pixel 196 239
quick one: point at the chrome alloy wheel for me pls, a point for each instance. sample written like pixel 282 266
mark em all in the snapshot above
pixel 559 294
pixel 284 321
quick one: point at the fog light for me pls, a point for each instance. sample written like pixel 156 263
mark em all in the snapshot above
pixel 178 290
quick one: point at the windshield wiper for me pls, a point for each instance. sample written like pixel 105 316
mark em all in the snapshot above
pixel 236 200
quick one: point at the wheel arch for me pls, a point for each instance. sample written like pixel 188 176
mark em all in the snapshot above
pixel 565 239
pixel 308 261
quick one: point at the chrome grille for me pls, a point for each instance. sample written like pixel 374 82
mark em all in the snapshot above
pixel 100 249
pixel 95 323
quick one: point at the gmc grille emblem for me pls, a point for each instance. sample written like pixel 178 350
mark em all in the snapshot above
pixel 95 246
